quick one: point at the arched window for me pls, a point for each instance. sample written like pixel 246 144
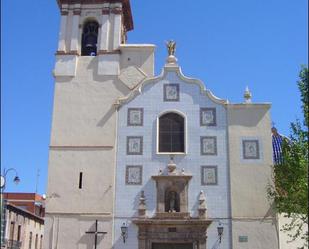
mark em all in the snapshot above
pixel 171 133
pixel 90 38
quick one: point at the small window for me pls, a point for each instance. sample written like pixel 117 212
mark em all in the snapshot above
pixel 41 242
pixel 90 38
pixel 30 240
pixel 80 183
pixel 12 228
pixel 36 241
pixel 171 133
pixel 19 233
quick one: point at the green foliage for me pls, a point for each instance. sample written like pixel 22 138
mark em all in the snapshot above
pixel 303 87
pixel 290 193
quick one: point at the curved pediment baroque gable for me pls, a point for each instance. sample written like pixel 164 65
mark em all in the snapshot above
pixel 168 69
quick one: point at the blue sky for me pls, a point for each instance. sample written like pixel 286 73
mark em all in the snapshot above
pixel 227 44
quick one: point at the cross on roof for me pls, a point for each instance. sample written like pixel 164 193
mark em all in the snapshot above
pixel 96 232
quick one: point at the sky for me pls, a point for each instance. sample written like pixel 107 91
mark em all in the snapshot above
pixel 227 44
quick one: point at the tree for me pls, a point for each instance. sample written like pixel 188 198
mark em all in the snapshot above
pixel 290 190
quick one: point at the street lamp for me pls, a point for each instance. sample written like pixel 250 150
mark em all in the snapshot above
pixel 124 232
pixel 220 231
pixel 3 177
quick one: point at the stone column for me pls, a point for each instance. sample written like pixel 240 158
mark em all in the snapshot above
pixel 142 238
pixel 105 29
pixel 62 33
pixel 117 13
pixel 75 31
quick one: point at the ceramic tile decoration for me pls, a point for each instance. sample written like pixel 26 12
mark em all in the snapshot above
pixel 134 174
pixel 208 145
pixel 251 149
pixel 209 175
pixel 135 116
pixel 134 145
pixel 171 92
pixel 208 117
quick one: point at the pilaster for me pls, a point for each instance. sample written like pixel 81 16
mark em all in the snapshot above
pixel 105 29
pixel 63 30
pixel 117 17
pixel 75 29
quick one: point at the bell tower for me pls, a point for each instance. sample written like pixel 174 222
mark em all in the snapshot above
pixel 90 28
pixel 94 68
pixel 109 22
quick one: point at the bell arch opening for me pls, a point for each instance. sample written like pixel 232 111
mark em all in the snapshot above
pixel 90 38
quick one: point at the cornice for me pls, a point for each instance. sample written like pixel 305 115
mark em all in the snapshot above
pixel 126 9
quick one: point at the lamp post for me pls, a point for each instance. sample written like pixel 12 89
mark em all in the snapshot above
pixel 16 179
pixel 124 232
pixel 220 231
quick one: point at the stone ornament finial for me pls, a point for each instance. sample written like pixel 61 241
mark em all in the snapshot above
pixel 183 171
pixel 171 166
pixel 247 96
pixel 142 205
pixel 202 205
pixel 171 49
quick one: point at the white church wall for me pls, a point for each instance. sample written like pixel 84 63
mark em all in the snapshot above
pixel 84 124
pixel 108 64
pixel 65 65
pixel 97 181
pixel 151 100
pixel 84 113
pixel 69 231
pixel 254 223
pixel 131 239
pixel 250 177
pixel 257 234
pixel 139 55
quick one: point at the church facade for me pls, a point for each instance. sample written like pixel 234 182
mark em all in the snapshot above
pixel 144 161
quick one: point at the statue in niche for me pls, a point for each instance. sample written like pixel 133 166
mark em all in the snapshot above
pixel 172 202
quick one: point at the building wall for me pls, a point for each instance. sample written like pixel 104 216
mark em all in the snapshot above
pixel 83 140
pixel 151 100
pixel 252 214
pixel 84 125
pixel 28 223
pixel 89 136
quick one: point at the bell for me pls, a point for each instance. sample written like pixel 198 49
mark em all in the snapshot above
pixel 91 41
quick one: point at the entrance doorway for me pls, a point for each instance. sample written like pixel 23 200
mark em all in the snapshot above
pixel 172 246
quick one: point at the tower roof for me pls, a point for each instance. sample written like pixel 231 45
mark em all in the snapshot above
pixel 128 20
